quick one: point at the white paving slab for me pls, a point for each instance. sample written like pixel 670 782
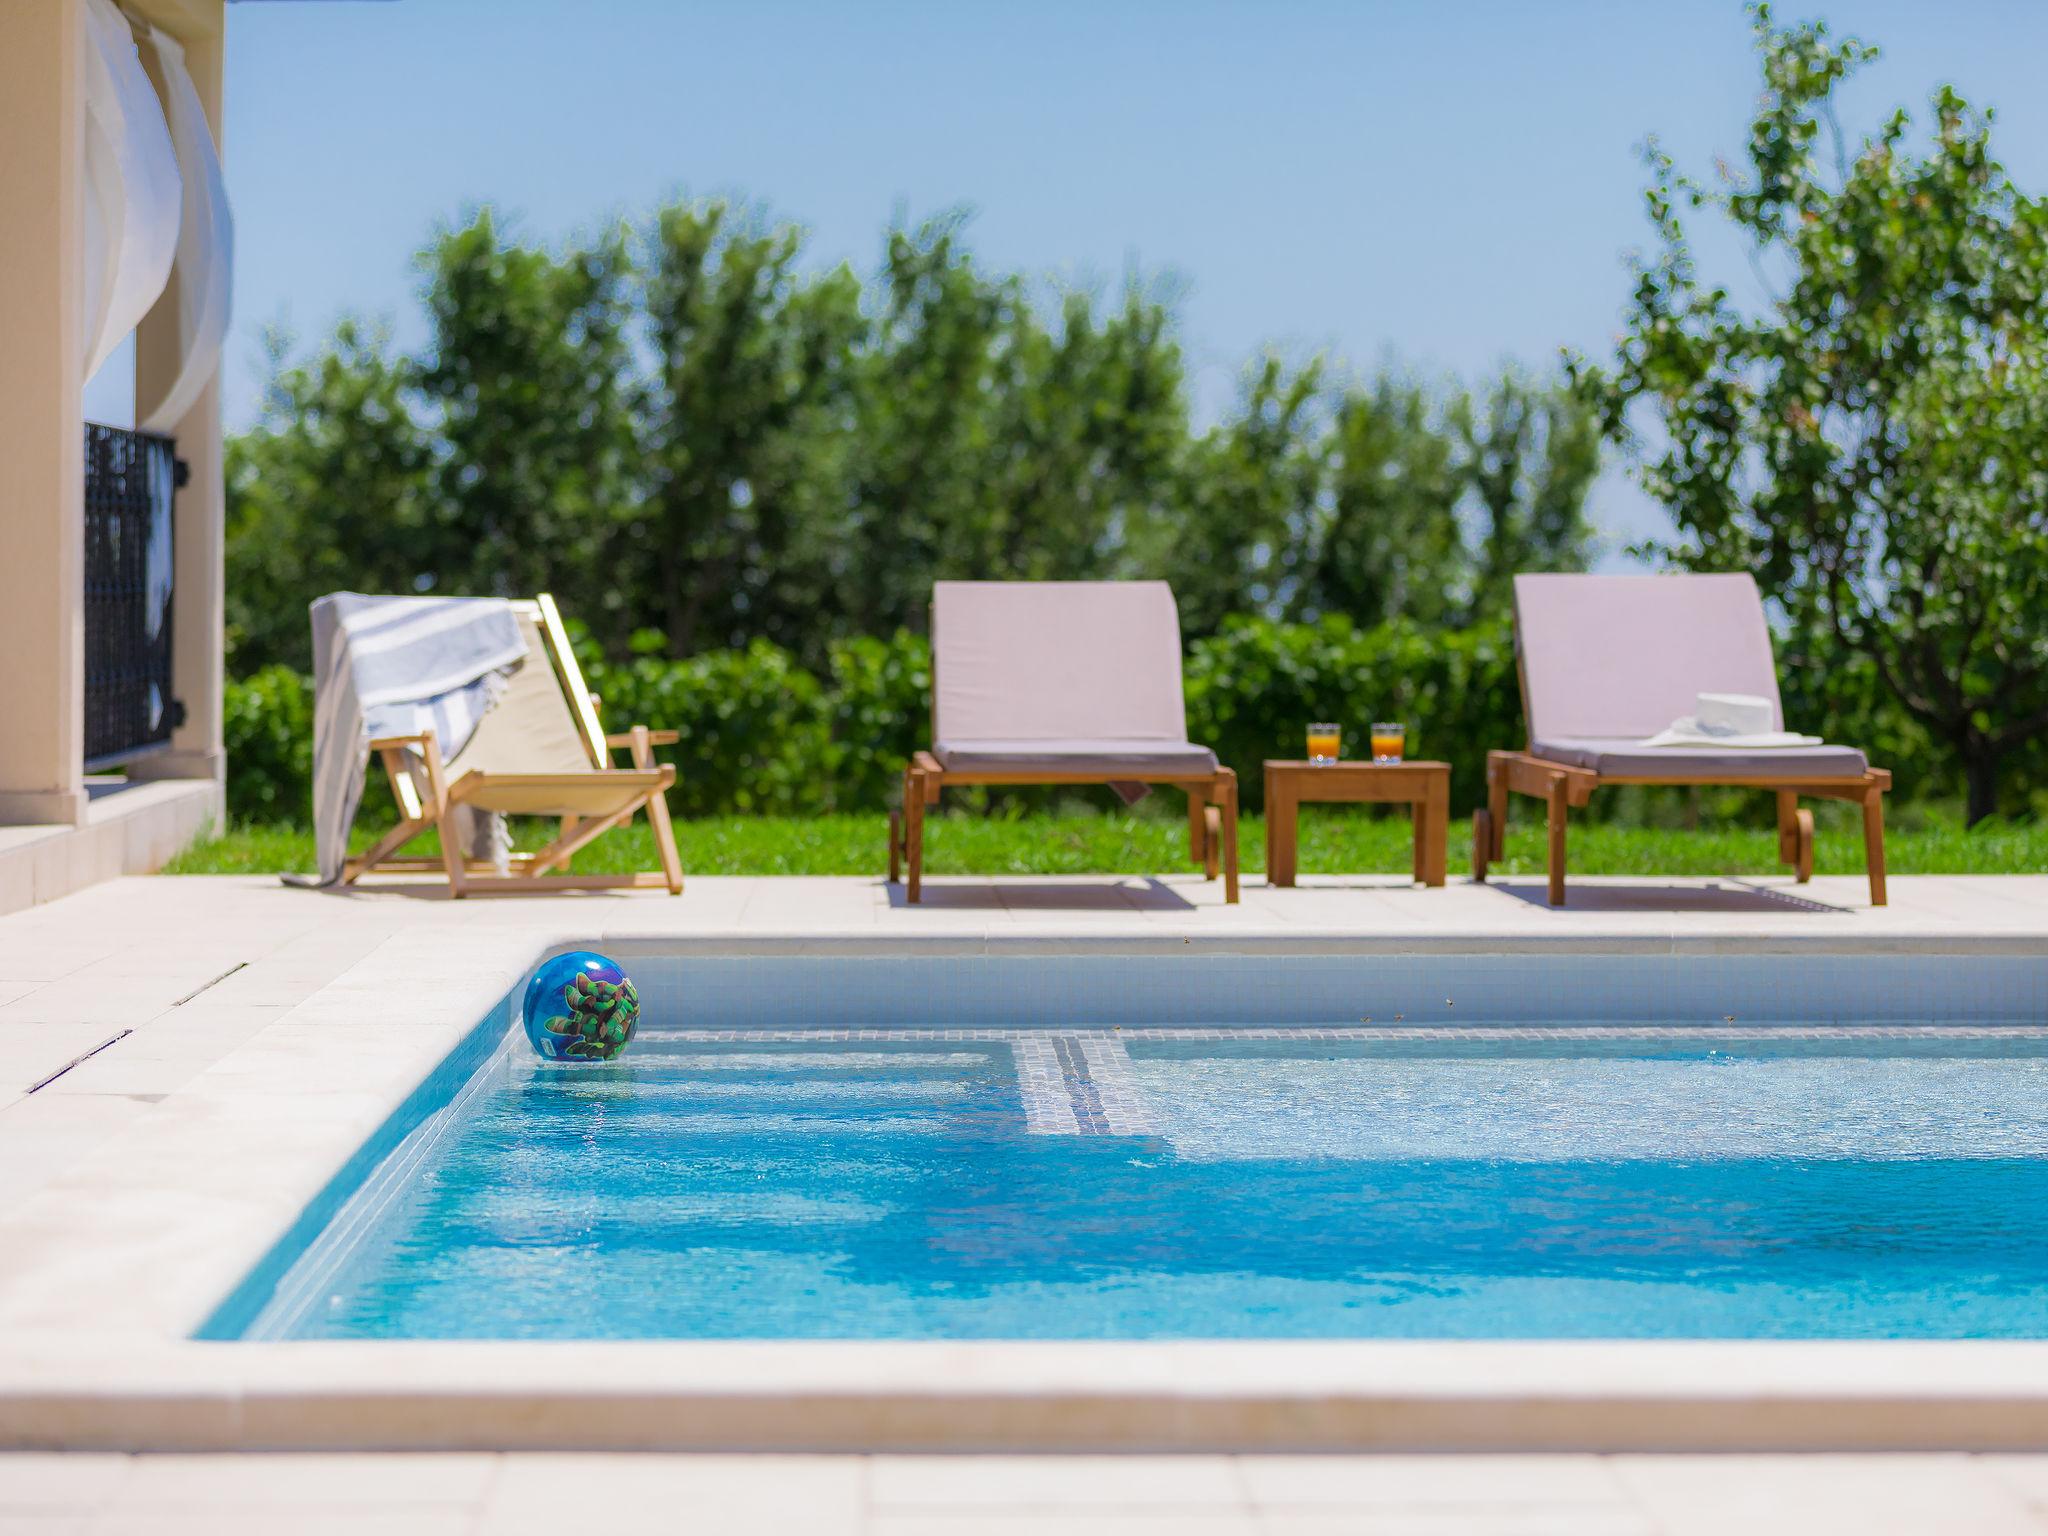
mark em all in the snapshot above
pixel 1561 1495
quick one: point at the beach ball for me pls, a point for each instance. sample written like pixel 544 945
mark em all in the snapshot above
pixel 580 1007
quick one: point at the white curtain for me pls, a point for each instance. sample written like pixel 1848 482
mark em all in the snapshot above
pixel 132 187
pixel 206 241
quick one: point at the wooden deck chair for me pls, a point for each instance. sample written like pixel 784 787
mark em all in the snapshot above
pixel 1062 682
pixel 1607 661
pixel 539 751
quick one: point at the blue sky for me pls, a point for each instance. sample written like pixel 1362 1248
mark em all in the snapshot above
pixel 1452 185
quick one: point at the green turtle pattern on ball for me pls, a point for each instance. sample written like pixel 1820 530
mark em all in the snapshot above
pixel 601 1016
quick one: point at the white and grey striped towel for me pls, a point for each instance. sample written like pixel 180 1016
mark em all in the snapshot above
pixel 391 666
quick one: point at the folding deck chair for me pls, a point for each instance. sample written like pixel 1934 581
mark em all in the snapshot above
pixel 1608 661
pixel 1061 682
pixel 538 751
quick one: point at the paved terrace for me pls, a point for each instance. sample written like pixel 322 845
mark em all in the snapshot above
pixel 1025 1496
pixel 157 1030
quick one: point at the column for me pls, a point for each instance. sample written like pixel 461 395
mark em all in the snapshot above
pixel 42 450
pixel 199 530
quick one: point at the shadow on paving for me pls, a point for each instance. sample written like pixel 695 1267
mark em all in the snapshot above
pixel 1000 895
pixel 1736 896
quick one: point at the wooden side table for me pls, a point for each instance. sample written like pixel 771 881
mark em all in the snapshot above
pixel 1424 785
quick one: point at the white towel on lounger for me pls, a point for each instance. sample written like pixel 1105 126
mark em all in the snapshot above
pixel 1686 732
pixel 1738 722
pixel 394 666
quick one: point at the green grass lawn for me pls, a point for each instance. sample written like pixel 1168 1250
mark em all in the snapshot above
pixel 1333 840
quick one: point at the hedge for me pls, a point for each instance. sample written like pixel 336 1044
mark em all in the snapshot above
pixel 267 723
pixel 761 734
pixel 1253 687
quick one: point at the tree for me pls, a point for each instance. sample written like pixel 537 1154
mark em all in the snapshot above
pixel 1872 439
pixel 1531 455
pixel 1235 534
pixel 700 441
pixel 1435 498
pixel 1390 544
pixel 746 429
pixel 331 489
pixel 1089 433
pixel 992 443
pixel 527 382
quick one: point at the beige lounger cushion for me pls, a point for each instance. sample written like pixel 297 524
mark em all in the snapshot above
pixel 1610 660
pixel 530 728
pixel 1057 662
pixel 1631 759
pixel 1103 759
pixel 1621 657
pixel 597 795
pixel 531 731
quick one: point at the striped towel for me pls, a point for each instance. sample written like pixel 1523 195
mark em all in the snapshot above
pixel 392 666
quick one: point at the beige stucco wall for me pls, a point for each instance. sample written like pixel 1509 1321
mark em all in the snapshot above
pixel 42 59
pixel 199 614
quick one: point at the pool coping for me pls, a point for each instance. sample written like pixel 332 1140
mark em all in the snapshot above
pixel 865 942
pixel 1301 1395
pixel 204 1186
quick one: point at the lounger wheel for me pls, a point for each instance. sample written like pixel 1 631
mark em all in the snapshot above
pixel 1482 843
pixel 896 846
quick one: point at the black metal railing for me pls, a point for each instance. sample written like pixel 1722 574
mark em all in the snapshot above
pixel 130 478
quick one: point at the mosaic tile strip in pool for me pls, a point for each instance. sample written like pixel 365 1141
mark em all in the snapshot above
pixel 1115 1089
pixel 1042 1085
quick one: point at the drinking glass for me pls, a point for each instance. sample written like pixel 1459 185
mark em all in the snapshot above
pixel 1389 739
pixel 1323 741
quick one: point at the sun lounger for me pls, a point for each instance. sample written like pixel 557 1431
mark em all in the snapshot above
pixel 1062 682
pixel 538 751
pixel 1609 661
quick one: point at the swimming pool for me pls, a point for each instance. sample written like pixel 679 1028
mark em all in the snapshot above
pixel 772 1177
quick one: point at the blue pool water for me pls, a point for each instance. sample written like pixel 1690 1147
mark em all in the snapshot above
pixel 1212 1183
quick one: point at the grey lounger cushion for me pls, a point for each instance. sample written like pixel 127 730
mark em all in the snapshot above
pixel 1060 676
pixel 1109 759
pixel 1631 759
pixel 1610 660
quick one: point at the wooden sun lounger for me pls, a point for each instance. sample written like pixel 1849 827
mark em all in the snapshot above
pixel 558 764
pixel 1212 814
pixel 1061 683
pixel 1603 659
pixel 1561 786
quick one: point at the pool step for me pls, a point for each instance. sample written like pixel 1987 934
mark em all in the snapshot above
pixel 1078 1083
pixel 1070 1082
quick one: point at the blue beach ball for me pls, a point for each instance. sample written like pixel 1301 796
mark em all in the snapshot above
pixel 580 1007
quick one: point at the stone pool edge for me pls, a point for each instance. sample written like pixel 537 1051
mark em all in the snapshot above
pixel 1033 1397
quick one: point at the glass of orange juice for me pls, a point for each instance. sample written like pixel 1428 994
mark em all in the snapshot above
pixel 1323 741
pixel 1389 740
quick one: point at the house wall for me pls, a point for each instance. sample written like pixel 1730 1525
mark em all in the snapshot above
pixel 42 493
pixel 42 192
pixel 199 615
